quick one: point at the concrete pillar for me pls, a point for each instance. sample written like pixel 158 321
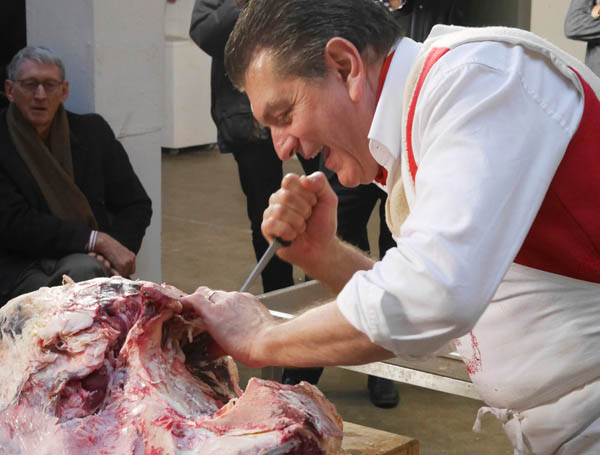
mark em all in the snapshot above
pixel 114 57
pixel 188 121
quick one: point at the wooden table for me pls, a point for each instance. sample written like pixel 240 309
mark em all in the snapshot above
pixel 361 440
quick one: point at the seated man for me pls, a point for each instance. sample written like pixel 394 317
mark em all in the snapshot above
pixel 71 202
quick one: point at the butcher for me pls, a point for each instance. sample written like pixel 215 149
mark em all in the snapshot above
pixel 487 142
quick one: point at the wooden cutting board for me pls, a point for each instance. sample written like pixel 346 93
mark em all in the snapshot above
pixel 361 440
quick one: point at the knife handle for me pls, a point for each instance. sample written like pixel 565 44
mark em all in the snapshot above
pixel 283 242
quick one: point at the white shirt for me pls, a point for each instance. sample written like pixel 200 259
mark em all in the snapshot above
pixel 491 126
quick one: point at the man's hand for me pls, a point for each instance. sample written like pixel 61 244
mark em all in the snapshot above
pixel 236 321
pixel 105 262
pixel 120 258
pixel 303 211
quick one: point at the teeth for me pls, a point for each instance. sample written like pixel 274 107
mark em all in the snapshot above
pixel 319 150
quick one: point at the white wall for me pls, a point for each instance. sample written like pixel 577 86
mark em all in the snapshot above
pixel 114 56
pixel 547 20
pixel 187 85
pixel 178 16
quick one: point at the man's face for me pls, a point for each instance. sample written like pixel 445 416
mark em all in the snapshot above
pixel 38 92
pixel 312 116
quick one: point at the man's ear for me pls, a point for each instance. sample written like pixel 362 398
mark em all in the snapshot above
pixel 8 89
pixel 342 57
pixel 65 91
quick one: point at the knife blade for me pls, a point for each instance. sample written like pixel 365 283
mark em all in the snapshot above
pixel 264 260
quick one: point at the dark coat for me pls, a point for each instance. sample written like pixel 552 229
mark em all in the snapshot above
pixel 580 25
pixel 417 17
pixel 212 22
pixel 13 36
pixel 28 231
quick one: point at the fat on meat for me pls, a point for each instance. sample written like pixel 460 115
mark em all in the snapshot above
pixel 111 366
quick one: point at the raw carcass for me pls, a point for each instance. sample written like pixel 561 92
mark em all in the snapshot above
pixel 110 366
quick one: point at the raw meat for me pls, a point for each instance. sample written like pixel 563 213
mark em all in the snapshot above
pixel 110 366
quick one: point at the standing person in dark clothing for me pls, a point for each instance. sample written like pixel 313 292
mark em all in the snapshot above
pixel 259 168
pixel 13 36
pixel 353 212
pixel 417 17
pixel 583 23
pixel 71 202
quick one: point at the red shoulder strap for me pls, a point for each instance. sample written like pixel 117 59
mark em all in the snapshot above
pixel 432 58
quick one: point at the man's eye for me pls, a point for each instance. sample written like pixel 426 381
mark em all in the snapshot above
pixel 50 85
pixel 284 118
pixel 30 85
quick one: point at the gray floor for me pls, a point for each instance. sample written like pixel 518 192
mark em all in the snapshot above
pixel 206 241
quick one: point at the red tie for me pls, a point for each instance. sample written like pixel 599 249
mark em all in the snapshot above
pixel 381 177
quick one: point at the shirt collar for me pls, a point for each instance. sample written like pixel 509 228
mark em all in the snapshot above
pixel 385 134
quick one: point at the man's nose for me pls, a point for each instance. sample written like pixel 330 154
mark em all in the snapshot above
pixel 40 91
pixel 285 144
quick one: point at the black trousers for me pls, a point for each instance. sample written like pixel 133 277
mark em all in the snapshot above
pixel 49 272
pixel 355 206
pixel 260 172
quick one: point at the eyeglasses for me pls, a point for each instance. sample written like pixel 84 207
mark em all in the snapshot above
pixel 31 85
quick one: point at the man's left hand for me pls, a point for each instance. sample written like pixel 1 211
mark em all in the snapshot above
pixel 236 321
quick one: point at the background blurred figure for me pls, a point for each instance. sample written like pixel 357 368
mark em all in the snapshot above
pixel 417 17
pixel 583 23
pixel 259 168
pixel 354 210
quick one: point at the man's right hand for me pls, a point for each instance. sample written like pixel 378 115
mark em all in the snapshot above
pixel 304 212
pixel 121 259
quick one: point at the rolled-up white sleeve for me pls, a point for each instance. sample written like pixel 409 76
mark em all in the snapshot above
pixel 492 124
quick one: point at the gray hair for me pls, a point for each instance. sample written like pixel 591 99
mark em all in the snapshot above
pixel 295 33
pixel 39 54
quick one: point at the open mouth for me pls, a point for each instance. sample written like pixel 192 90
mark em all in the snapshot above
pixel 322 149
pixel 326 152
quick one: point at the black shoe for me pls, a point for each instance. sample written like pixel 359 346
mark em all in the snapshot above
pixel 383 392
pixel 293 376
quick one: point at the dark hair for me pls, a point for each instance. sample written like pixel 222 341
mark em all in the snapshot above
pixel 39 54
pixel 295 32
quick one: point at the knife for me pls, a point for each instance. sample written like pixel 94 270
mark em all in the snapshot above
pixel 264 260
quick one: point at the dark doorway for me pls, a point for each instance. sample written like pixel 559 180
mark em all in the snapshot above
pixel 13 36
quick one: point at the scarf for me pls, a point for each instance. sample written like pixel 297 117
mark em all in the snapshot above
pixel 51 166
